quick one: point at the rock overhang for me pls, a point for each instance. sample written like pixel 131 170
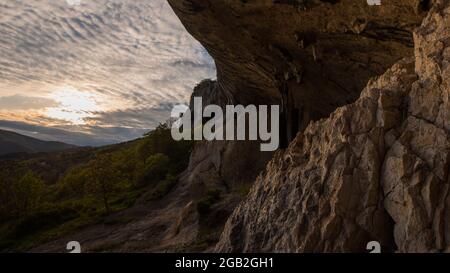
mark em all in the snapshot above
pixel 323 52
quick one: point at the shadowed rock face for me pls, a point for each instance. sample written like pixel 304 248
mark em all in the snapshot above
pixel 377 169
pixel 318 55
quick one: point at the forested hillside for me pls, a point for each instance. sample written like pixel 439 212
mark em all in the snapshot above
pixel 49 195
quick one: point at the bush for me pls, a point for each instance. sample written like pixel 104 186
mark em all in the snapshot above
pixel 160 141
pixel 204 205
pixel 21 197
pixel 43 219
pixel 155 169
pixel 162 188
pixel 73 183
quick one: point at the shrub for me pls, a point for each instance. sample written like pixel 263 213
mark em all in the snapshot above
pixel 43 219
pixel 20 197
pixel 104 180
pixel 155 169
pixel 162 188
pixel 204 205
pixel 73 183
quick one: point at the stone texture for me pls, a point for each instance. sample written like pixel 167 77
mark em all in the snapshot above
pixel 377 169
pixel 214 162
pixel 320 52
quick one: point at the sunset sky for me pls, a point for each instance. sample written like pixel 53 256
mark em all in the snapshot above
pixel 100 72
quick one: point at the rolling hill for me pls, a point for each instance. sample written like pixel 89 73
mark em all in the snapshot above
pixel 11 143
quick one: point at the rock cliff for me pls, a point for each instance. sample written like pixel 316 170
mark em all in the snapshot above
pixel 376 169
pixel 310 56
pixel 360 166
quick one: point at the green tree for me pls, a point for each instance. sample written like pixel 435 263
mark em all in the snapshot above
pixel 72 185
pixel 5 197
pixel 26 194
pixel 160 141
pixel 156 141
pixel 154 169
pixel 103 180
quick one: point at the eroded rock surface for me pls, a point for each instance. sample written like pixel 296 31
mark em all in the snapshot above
pixel 377 169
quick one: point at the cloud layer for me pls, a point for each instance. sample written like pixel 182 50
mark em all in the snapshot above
pixel 101 64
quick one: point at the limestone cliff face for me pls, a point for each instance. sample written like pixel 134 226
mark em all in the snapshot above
pixel 377 169
pixel 370 165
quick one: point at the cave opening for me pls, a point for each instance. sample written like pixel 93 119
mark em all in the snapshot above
pixel 425 5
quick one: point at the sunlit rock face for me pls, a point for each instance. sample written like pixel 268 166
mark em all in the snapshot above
pixel 377 169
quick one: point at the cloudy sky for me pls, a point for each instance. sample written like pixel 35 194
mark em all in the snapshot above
pixel 99 72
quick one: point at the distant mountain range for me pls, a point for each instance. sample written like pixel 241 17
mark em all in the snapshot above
pixel 11 143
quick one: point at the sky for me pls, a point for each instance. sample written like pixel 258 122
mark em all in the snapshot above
pixel 94 72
